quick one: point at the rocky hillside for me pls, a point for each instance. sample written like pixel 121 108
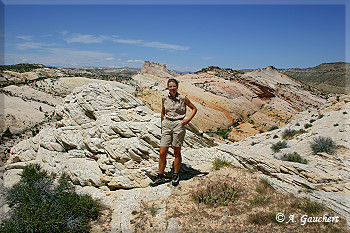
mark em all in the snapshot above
pixel 105 134
pixel 107 141
pixel 110 74
pixel 103 137
pixel 243 104
pixel 30 94
pixel 328 77
pixel 231 104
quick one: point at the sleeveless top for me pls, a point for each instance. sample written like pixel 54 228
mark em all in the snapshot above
pixel 175 108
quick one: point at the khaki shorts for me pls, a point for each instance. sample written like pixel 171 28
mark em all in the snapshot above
pixel 173 133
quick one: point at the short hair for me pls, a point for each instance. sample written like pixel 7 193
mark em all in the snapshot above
pixel 172 80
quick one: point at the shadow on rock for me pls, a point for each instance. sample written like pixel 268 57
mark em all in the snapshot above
pixel 187 172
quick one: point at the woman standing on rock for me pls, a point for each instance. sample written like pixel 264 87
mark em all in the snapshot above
pixel 173 130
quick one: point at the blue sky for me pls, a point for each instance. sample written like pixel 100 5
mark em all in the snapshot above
pixel 185 37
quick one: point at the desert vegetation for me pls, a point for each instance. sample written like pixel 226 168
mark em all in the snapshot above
pixel 293 157
pixel 38 204
pixel 226 73
pixel 220 162
pixel 21 68
pixel 323 144
pixel 273 128
pixel 328 77
pixel 289 133
pixel 234 200
pixel 216 194
pixel 222 133
pixel 278 146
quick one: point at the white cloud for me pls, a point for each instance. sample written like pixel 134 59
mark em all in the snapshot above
pixel 160 45
pixel 74 53
pixel 86 39
pixel 63 32
pixel 123 41
pixel 207 58
pixel 63 57
pixel 154 44
pixel 32 45
pixel 135 61
pixel 110 59
pixel 27 38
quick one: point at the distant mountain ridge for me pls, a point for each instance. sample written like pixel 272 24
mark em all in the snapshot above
pixel 328 77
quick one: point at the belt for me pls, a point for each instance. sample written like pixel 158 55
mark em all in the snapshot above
pixel 169 119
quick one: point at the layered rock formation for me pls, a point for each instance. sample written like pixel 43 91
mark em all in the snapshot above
pixel 103 137
pixel 106 140
pixel 224 97
pixel 255 101
pixel 325 178
pixel 25 109
pixel 160 70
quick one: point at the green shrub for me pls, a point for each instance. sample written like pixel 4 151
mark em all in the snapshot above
pixel 259 199
pixel 278 146
pixel 39 205
pixel 265 182
pixel 312 120
pixel 309 206
pixel 288 133
pixel 220 162
pixel 223 132
pixel 260 218
pixel 273 128
pixel 293 157
pixel 216 194
pixel 260 190
pixel 323 144
pixel 307 125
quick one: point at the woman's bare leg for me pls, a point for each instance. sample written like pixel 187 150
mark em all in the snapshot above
pixel 178 159
pixel 162 159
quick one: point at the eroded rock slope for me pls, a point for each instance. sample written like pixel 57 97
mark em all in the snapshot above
pixel 103 136
pixel 225 97
pixel 107 141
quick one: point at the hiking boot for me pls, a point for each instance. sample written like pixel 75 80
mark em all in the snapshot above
pixel 175 180
pixel 160 179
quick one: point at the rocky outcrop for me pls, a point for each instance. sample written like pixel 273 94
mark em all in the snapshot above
pixel 160 70
pixel 325 178
pixel 107 141
pixel 225 97
pixel 103 137
pixel 26 108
